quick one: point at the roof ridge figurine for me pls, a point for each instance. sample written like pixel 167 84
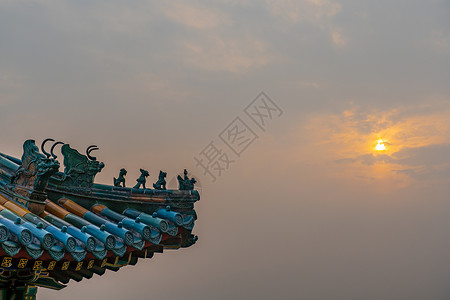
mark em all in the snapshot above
pixel 142 179
pixel 161 183
pixel 34 172
pixel 186 183
pixel 121 178
pixel 80 170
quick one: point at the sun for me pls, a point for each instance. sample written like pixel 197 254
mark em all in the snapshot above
pixel 380 146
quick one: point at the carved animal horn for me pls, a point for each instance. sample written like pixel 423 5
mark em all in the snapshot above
pixel 53 149
pixel 42 147
pixel 89 150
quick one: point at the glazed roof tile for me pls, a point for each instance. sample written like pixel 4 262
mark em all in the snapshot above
pixel 99 233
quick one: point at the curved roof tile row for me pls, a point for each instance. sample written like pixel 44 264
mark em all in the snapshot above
pixel 67 227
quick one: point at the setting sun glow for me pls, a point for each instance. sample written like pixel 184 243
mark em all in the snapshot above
pixel 380 146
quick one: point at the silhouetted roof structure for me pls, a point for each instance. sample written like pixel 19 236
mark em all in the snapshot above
pixel 58 226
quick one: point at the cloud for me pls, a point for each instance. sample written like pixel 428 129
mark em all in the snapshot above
pixel 306 10
pixel 417 139
pixel 316 12
pixel 195 16
pixel 440 41
pixel 213 41
pixel 427 162
pixel 309 84
pixel 338 39
pixel 225 54
pixel 371 159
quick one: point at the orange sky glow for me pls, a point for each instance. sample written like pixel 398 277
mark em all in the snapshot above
pixel 347 142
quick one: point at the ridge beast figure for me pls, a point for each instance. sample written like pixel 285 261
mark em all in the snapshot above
pixel 80 170
pixel 34 172
pixel 142 179
pixel 161 183
pixel 186 183
pixel 121 178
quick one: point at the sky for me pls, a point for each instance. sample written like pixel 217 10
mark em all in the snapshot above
pixel 305 207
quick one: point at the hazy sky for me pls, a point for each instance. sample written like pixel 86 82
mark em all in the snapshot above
pixel 309 210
